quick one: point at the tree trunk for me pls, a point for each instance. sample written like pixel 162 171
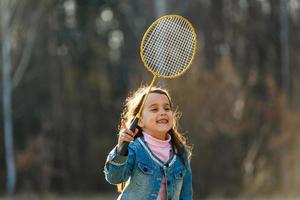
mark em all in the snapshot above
pixel 7 93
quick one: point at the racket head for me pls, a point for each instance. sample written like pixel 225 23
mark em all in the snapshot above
pixel 169 46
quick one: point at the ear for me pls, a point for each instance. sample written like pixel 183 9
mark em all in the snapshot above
pixel 141 123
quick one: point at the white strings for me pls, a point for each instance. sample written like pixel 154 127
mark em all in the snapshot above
pixel 169 46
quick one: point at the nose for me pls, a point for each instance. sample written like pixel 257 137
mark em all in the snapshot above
pixel 162 112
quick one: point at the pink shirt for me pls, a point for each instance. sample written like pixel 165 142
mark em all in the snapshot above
pixel 162 149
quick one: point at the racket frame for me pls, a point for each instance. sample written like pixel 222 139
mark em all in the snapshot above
pixel 151 28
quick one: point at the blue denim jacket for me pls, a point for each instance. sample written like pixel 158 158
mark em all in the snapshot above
pixel 144 171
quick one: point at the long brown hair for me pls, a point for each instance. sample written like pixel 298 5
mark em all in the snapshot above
pixel 131 108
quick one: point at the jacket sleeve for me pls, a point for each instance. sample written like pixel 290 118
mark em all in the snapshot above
pixel 187 187
pixel 118 168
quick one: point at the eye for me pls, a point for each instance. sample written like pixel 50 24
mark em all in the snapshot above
pixel 154 109
pixel 167 109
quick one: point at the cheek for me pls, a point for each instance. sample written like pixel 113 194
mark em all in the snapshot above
pixel 171 118
pixel 148 119
pixel 151 120
pixel 172 121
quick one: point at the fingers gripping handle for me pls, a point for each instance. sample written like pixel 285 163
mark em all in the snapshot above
pixel 123 149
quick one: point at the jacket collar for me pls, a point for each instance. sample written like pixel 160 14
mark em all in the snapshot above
pixel 144 144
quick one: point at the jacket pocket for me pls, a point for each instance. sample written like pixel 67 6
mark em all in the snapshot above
pixel 145 169
pixel 179 173
pixel 143 174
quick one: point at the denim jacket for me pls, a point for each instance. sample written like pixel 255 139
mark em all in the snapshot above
pixel 143 171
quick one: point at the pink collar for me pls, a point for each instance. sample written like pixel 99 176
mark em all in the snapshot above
pixel 157 142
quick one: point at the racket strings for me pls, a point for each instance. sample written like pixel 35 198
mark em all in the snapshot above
pixel 169 46
pixel 179 44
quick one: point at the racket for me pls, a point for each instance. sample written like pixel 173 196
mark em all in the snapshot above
pixel 167 50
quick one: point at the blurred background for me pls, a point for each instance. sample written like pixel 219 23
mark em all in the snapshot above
pixel 68 65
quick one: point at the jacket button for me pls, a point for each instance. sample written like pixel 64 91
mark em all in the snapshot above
pixel 168 182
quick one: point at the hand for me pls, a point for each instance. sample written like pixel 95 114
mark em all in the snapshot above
pixel 125 135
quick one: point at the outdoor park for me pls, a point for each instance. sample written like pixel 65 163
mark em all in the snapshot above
pixel 68 66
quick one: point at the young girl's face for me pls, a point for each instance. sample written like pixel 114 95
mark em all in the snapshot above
pixel 157 116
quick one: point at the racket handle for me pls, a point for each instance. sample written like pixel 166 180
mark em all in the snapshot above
pixel 123 148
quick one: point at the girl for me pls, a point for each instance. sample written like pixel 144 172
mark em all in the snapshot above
pixel 157 166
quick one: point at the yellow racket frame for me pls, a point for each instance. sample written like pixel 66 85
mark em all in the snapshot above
pixel 150 28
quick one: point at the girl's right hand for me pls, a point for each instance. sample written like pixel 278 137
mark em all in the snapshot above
pixel 125 135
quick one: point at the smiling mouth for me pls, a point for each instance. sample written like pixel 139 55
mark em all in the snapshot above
pixel 162 121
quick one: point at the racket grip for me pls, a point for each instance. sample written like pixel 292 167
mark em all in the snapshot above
pixel 123 148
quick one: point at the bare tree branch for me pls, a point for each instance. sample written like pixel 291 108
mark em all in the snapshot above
pixel 27 51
